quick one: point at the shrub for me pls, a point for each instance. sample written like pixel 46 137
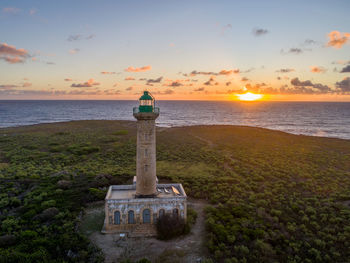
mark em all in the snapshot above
pixel 169 226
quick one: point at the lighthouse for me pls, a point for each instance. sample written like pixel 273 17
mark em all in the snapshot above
pixel 134 209
pixel 146 114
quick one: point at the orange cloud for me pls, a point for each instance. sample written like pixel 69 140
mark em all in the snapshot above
pixel 12 55
pixel 74 51
pixel 107 72
pixel 26 84
pixel 129 78
pixel 316 69
pixel 229 72
pixel 141 69
pixel 89 83
pixel 338 39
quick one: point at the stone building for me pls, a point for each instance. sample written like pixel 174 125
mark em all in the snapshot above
pixel 134 209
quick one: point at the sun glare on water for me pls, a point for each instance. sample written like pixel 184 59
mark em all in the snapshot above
pixel 249 96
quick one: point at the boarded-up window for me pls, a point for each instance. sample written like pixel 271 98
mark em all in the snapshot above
pixel 117 218
pixel 146 216
pixel 131 219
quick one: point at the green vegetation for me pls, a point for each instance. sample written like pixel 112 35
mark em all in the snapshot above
pixel 274 197
pixel 170 226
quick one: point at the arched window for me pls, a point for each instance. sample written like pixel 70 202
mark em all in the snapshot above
pixel 131 219
pixel 117 218
pixel 176 212
pixel 161 213
pixel 146 216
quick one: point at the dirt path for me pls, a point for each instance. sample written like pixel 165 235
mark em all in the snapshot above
pixel 189 248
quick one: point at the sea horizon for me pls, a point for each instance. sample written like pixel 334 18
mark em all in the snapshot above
pixel 323 119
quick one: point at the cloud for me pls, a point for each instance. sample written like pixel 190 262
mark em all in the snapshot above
pixel 130 88
pixel 244 79
pixel 175 84
pixel 317 87
pixel 107 72
pixel 228 83
pixel 165 92
pixel 341 62
pixel 225 72
pixel 285 70
pixel 74 50
pixel 11 10
pixel 89 83
pixel 293 50
pixel 195 72
pixel 345 69
pixel 141 69
pixel 337 39
pixel 151 81
pixel 199 89
pixel 344 85
pixel 229 72
pixel 316 69
pixel 25 92
pixel 210 82
pixel 259 32
pixel 26 84
pixel 68 79
pixel 77 37
pixel 225 28
pixel 90 36
pixel 7 86
pixel 33 11
pixel 129 78
pixel 74 37
pixel 111 92
pixel 50 63
pixel 115 84
pixel 309 42
pixel 12 55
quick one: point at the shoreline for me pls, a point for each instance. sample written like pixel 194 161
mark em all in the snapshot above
pixel 170 127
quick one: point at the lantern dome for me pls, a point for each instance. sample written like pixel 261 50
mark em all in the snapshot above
pixel 146 102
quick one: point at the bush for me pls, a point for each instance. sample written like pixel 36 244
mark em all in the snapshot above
pixel 191 219
pixel 169 226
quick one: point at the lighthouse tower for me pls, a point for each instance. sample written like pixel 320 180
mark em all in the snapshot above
pixel 146 114
pixel 135 209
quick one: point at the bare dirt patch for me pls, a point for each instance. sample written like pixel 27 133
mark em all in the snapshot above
pixel 189 248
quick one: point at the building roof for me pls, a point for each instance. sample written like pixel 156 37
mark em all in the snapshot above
pixel 121 192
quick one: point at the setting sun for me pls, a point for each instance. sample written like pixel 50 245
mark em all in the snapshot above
pixel 249 96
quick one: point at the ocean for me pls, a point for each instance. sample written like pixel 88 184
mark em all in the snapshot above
pixel 327 119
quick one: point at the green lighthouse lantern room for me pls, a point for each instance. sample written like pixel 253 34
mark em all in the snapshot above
pixel 147 102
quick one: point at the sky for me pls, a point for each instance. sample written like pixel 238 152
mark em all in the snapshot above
pixel 178 50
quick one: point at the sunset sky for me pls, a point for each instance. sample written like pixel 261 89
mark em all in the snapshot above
pixel 207 50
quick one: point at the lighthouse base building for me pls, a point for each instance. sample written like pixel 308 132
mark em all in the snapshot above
pixel 125 213
pixel 135 209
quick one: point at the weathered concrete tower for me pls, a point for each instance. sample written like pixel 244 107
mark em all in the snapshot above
pixel 146 114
